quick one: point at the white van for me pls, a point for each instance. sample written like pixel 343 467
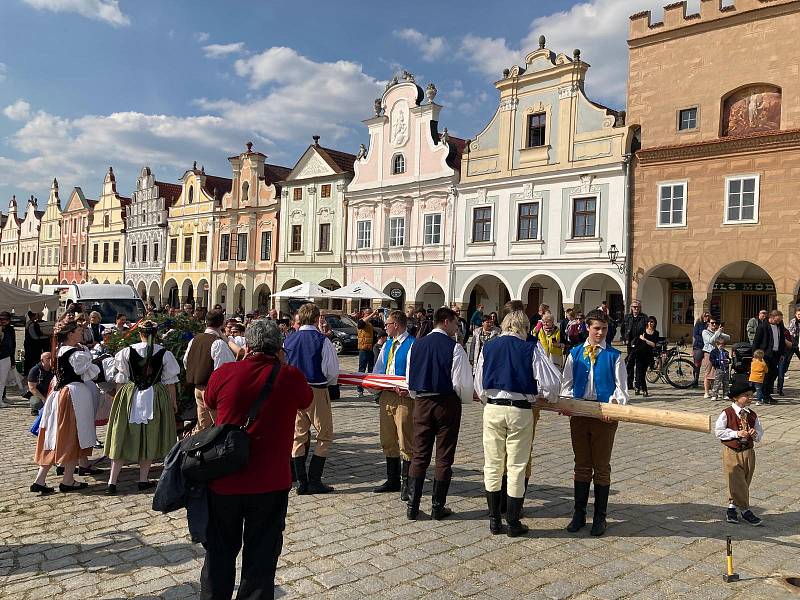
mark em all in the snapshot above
pixel 107 299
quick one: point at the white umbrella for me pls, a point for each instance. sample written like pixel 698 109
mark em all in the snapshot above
pixel 21 300
pixel 359 291
pixel 304 290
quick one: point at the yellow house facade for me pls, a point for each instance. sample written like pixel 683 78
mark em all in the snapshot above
pixel 50 238
pixel 191 226
pixel 107 235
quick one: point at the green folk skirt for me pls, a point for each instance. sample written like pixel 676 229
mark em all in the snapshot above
pixel 140 441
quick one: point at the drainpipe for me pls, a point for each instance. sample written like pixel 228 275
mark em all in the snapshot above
pixel 452 258
pixel 628 173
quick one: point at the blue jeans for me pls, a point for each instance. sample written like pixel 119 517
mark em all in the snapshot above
pixel 759 391
pixel 783 366
pixel 366 362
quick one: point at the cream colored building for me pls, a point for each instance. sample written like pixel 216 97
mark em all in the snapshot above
pixel 191 226
pixel 50 238
pixel 9 244
pixel 29 244
pixel 107 235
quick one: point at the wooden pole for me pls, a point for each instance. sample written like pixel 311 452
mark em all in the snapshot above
pixel 674 419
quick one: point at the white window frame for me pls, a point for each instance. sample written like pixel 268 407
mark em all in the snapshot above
pixel 428 238
pixel 399 155
pixel 517 206
pixel 756 198
pixel 572 200
pixel 363 234
pixel 472 224
pixel 671 184
pixel 393 231
pixel 696 110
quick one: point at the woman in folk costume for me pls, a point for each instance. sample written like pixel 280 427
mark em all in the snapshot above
pixel 550 340
pixel 66 432
pixel 141 427
pixel 594 371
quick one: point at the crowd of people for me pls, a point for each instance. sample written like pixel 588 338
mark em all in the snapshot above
pixel 507 362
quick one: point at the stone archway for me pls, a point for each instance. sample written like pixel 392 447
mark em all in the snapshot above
pixel 543 288
pixel 170 295
pixel 430 295
pixel 261 298
pixel 289 305
pixel 737 292
pixel 331 304
pixel 667 293
pixel 221 297
pixel 141 289
pixel 154 295
pixel 397 292
pixel 202 293
pixel 490 289
pixel 187 292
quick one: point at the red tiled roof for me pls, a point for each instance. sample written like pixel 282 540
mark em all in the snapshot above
pixel 457 147
pixel 223 185
pixel 273 173
pixel 169 191
pixel 342 162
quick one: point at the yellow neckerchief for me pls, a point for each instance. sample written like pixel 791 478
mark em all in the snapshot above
pixel 392 351
pixel 549 341
pixel 591 352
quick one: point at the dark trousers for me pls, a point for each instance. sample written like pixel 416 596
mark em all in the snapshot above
pixel 772 374
pixel 642 362
pixel 437 419
pixel 366 362
pixel 630 366
pixel 256 519
pixel 783 366
pixel 592 443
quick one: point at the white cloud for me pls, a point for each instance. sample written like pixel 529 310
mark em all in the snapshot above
pixel 222 50
pixel 203 36
pixel 19 111
pixel 431 48
pixel 3 71
pixel 99 10
pixel 488 55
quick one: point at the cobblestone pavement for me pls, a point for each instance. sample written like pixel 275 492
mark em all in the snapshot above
pixel 666 537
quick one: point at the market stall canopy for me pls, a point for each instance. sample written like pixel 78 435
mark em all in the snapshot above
pixel 359 291
pixel 304 290
pixel 19 300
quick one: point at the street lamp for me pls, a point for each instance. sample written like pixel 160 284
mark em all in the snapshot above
pixel 613 255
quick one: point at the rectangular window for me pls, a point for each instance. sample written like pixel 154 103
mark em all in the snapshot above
pixel 363 234
pixel 583 217
pixel 741 199
pixel 105 252
pixel 687 119
pixel 83 254
pixel 482 224
pixel 187 248
pixel 397 231
pixel 155 251
pixel 202 250
pixel 95 254
pixel 682 312
pixel 325 191
pixel 433 229
pixel 528 221
pixel 133 252
pixel 266 245
pixel 537 124
pixel 173 250
pixel 65 255
pixel 74 226
pixel 225 246
pixel 241 247
pixel 671 204
pixel 115 253
pixel 144 252
pixel 324 237
pixel 297 238
pixel 298 193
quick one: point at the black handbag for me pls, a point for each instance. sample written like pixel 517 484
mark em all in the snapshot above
pixel 223 449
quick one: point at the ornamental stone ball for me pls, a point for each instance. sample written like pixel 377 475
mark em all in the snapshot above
pixel 430 93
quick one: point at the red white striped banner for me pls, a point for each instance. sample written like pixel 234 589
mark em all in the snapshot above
pixel 373 381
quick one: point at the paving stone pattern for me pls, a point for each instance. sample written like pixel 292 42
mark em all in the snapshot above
pixel 666 537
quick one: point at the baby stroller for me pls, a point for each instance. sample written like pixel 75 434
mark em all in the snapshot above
pixel 741 357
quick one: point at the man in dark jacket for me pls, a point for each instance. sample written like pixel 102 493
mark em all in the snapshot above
pixel 770 337
pixel 8 347
pixel 697 343
pixel 634 326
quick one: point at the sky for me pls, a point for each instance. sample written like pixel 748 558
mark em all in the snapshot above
pixel 88 84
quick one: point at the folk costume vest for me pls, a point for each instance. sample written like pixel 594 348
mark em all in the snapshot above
pixel 399 358
pixel 737 423
pixel 65 374
pixel 145 373
pixel 507 365
pixel 603 371
pixel 199 363
pixel 304 351
pixel 431 365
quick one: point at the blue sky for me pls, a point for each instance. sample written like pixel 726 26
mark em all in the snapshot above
pixel 85 84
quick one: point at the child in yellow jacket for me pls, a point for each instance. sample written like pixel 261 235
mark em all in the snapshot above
pixel 758 369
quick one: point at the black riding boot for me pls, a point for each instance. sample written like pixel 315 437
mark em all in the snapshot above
pixel 404 465
pixel 503 493
pixel 515 526
pixel 495 519
pixel 581 500
pixel 415 485
pixel 600 509
pixel 438 509
pixel 299 469
pixel 392 483
pixel 315 468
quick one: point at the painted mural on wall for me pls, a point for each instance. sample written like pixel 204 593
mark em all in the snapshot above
pixel 753 109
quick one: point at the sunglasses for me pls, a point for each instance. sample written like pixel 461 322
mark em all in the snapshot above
pixel 714 323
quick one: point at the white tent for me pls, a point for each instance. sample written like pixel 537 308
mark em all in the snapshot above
pixel 304 290
pixel 19 300
pixel 360 290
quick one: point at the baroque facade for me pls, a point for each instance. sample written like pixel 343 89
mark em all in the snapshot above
pixel 9 244
pixel 715 220
pixel 401 199
pixel 50 238
pixel 245 239
pixel 190 231
pixel 312 220
pixel 106 234
pixel 543 195
pixel 29 244
pixel 146 234
pixel 76 219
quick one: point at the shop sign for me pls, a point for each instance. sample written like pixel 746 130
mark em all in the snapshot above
pixel 396 293
pixel 744 287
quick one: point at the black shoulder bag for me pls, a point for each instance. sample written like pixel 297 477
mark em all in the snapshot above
pixel 223 449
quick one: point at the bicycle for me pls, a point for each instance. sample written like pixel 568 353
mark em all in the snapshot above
pixel 672 366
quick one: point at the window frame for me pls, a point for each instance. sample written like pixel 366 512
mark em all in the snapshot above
pixel 202 248
pixel 105 252
pixel 401 219
pixel 325 190
pixel 296 239
pixel 143 253
pixel 538 217
pixel 327 228
pixel 756 199
pixel 266 236
pixel 396 158
pixel 133 252
pixel 490 221
pixel 190 239
pixel 428 237
pixel 172 252
pixel 671 184
pixel 528 129
pixel 224 246
pixel 364 242
pixel 679 119
pixel 297 197
pixel 574 212
pixel 241 248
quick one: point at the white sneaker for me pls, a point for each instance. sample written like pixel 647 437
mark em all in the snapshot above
pixel 757 403
pixel 706 396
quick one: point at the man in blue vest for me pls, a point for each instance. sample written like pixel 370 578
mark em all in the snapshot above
pixel 396 407
pixel 313 353
pixel 510 373
pixel 594 371
pixel 439 379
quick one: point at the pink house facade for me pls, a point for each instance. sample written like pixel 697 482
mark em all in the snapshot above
pixel 400 202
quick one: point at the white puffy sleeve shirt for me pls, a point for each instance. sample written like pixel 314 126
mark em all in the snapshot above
pixel 169 372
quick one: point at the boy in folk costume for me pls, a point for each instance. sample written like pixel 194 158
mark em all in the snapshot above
pixel 738 428
pixel 594 371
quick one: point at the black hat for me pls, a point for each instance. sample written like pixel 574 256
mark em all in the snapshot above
pixel 148 327
pixel 739 388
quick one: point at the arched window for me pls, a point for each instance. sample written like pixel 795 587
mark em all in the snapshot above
pixel 191 194
pixel 398 164
pixel 106 221
pixel 753 108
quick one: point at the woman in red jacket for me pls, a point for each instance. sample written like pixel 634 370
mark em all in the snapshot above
pixel 254 499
